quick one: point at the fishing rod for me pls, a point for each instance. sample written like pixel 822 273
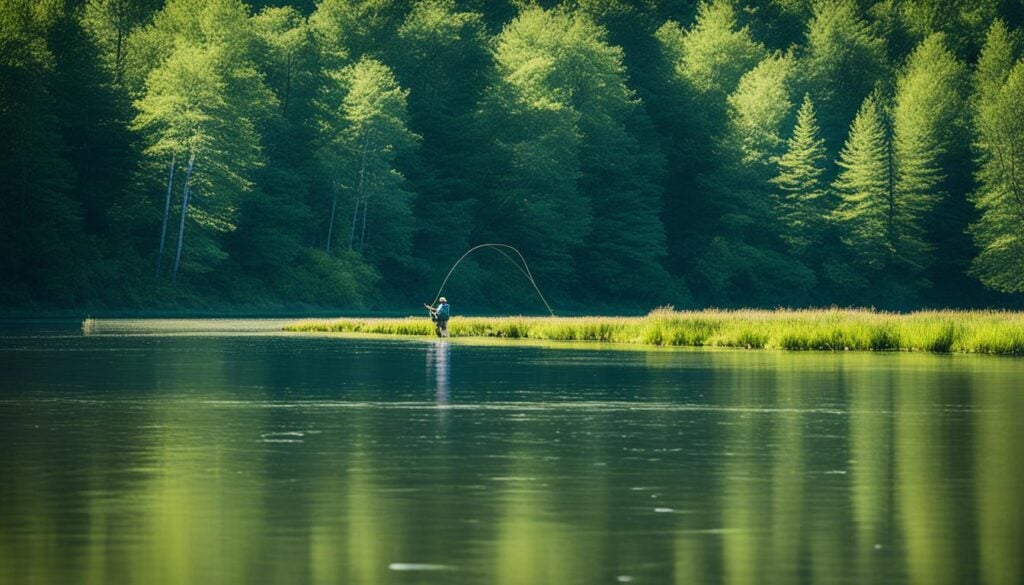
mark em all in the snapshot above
pixel 499 248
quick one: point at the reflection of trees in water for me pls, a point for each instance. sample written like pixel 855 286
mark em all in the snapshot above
pixel 871 422
pixel 931 498
pixel 788 476
pixel 755 502
pixel 999 480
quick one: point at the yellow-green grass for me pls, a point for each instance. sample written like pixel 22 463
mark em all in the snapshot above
pixel 994 332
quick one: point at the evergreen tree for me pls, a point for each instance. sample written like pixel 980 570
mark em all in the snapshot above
pixel 575 172
pixel 963 22
pixel 41 241
pixel 706 64
pixel 999 233
pixel 998 56
pixel 742 195
pixel 649 151
pixel 842 61
pixel 803 199
pixel 868 212
pixel 929 142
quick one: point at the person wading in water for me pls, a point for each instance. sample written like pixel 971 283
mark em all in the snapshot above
pixel 439 316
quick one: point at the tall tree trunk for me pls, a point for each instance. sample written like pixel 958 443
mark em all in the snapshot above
pixel 330 225
pixel 362 235
pixel 360 189
pixel 167 212
pixel 355 221
pixel 890 231
pixel 184 210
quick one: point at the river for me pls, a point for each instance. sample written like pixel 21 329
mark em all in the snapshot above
pixel 226 452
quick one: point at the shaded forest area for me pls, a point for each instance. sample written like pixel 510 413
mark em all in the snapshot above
pixel 344 153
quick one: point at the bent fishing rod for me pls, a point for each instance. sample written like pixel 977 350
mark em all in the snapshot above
pixel 501 249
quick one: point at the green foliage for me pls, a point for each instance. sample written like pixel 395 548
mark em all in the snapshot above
pixel 928 121
pixel 195 107
pixel 743 253
pixel 112 22
pixel 999 233
pixel 365 112
pixel 350 29
pixel 442 57
pixel 760 110
pixel 198 23
pixel 1001 50
pixel 40 221
pixel 287 56
pixel 576 172
pixel 843 59
pixel 716 52
pixel 867 208
pixel 803 201
pixel 636 152
pixel 964 22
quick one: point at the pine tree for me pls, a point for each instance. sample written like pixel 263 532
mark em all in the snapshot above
pixel 929 142
pixel 998 56
pixel 867 209
pixel 803 200
pixel 842 61
pixel 576 174
pixel 705 64
pixel 999 234
pixel 741 193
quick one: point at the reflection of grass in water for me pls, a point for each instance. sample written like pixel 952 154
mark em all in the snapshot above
pixel 825 329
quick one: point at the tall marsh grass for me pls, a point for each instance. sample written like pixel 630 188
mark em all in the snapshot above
pixel 994 332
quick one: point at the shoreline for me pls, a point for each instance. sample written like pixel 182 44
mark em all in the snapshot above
pixel 983 332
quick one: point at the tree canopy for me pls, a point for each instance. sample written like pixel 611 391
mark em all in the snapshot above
pixel 344 153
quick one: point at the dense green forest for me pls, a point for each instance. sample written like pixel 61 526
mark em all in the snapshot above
pixel 344 153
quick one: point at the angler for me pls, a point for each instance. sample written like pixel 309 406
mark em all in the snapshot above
pixel 440 315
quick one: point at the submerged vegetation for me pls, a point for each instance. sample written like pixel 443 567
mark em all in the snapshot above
pixel 993 332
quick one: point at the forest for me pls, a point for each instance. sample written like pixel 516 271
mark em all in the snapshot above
pixel 342 154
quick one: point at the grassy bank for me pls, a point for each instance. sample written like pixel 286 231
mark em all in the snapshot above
pixel 831 330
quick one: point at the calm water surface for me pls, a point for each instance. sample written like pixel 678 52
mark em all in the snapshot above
pixel 220 452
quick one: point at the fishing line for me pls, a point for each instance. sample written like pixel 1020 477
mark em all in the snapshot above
pixel 524 269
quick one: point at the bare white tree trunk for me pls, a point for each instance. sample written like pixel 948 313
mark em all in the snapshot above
pixel 184 210
pixel 167 212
